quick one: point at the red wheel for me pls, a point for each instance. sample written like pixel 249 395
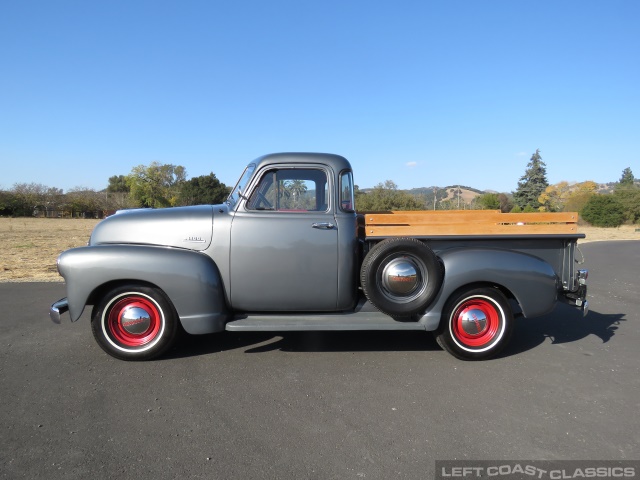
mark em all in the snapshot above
pixel 134 323
pixel 476 324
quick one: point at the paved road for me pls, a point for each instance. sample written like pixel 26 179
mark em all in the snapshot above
pixel 321 405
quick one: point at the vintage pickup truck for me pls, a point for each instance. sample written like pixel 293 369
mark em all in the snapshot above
pixel 288 252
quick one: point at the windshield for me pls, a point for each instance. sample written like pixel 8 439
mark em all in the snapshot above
pixel 239 190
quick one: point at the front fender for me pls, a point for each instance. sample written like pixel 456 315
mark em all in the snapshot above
pixel 532 281
pixel 190 279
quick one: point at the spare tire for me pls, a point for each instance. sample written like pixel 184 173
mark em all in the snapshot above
pixel 401 276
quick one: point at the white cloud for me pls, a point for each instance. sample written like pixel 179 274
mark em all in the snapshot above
pixel 411 164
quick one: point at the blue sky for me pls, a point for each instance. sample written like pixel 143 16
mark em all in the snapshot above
pixel 419 92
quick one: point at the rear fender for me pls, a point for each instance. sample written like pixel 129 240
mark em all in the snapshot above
pixel 532 281
pixel 190 279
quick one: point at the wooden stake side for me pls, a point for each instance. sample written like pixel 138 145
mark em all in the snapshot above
pixel 469 222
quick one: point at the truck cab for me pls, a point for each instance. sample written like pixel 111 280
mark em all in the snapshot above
pixel 293 236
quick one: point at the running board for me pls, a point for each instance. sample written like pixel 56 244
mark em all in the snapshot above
pixel 299 322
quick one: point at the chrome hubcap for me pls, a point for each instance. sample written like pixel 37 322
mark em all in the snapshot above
pixel 473 321
pixel 135 320
pixel 400 276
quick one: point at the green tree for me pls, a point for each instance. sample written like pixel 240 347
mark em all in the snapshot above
pixel 117 194
pixel 296 189
pixel 603 211
pixel 203 190
pixel 629 198
pixel 488 201
pixel 386 197
pixel 532 184
pixel 118 184
pixel 628 194
pixel 156 185
pixel 627 179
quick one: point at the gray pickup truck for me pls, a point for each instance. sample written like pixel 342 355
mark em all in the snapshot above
pixel 288 252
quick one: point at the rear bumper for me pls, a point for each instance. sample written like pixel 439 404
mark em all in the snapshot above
pixel 578 298
pixel 57 309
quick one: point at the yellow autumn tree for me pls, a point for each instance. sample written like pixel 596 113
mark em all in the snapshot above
pixel 554 197
pixel 580 195
pixel 565 197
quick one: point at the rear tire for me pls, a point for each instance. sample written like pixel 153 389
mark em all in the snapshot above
pixel 476 324
pixel 134 322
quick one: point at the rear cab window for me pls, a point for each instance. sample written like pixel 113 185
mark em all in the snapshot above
pixel 347 202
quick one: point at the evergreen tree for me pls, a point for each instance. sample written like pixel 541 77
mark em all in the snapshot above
pixel 516 209
pixel 627 193
pixel 627 179
pixel 532 184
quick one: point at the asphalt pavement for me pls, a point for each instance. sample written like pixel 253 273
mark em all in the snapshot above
pixel 320 405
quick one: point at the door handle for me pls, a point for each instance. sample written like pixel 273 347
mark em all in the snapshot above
pixel 323 225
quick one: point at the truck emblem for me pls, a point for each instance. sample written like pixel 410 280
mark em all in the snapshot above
pixel 128 323
pixel 194 239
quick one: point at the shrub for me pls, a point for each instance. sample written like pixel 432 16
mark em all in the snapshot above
pixel 629 198
pixel 603 211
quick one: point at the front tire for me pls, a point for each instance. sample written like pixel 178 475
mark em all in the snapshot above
pixel 476 324
pixel 134 322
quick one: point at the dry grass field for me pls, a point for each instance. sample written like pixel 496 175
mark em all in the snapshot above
pixel 30 246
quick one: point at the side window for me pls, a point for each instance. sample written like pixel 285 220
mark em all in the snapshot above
pixel 346 192
pixel 291 190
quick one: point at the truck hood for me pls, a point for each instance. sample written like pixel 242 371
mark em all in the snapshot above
pixel 182 227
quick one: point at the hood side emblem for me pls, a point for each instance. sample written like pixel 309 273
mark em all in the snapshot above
pixel 194 239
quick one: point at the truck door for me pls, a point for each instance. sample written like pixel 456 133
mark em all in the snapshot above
pixel 284 243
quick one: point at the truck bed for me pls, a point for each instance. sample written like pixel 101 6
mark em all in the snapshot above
pixel 551 237
pixel 463 223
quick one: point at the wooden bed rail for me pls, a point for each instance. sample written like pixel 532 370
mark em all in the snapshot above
pixel 468 222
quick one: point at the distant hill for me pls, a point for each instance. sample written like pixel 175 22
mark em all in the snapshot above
pixel 467 194
pixel 609 187
pixel 451 192
pixel 424 190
